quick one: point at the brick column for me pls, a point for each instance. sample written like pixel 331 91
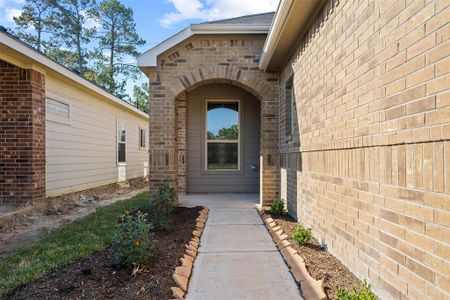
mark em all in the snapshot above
pixel 269 176
pixel 22 135
pixel 162 137
pixel 181 111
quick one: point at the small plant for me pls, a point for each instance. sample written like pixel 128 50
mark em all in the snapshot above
pixel 301 235
pixel 131 240
pixel 162 203
pixel 365 293
pixel 277 208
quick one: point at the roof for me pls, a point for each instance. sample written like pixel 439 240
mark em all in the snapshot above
pixel 290 23
pixel 264 18
pixel 16 44
pixel 251 24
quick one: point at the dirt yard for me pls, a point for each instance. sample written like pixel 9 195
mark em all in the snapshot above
pixel 62 210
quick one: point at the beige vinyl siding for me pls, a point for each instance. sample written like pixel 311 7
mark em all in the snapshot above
pixel 245 180
pixel 82 151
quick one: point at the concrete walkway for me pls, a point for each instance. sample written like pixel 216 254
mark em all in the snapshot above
pixel 237 258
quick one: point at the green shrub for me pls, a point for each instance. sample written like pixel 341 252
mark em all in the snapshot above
pixel 162 203
pixel 131 240
pixel 365 293
pixel 277 208
pixel 301 235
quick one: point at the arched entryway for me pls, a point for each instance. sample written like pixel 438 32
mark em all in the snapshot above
pixel 222 140
pixel 168 124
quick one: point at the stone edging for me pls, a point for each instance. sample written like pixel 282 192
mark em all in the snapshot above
pixel 183 272
pixel 311 289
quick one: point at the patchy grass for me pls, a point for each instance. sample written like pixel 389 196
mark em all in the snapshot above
pixel 64 245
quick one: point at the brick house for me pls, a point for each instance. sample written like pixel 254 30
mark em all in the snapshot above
pixel 59 133
pixel 341 108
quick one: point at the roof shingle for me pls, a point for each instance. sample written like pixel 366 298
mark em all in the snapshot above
pixel 264 18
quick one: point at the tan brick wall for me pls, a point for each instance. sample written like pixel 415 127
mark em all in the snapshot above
pixel 372 82
pixel 198 61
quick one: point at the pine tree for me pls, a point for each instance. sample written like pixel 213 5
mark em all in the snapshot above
pixel 34 22
pixel 71 19
pixel 117 40
pixel 140 96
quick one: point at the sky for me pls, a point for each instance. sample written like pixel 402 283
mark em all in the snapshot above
pixel 157 20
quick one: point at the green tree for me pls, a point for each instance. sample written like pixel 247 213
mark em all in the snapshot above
pixel 231 133
pixel 34 22
pixel 63 57
pixel 140 96
pixel 71 19
pixel 117 40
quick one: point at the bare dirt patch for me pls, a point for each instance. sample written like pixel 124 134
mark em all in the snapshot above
pixel 99 276
pixel 320 263
pixel 58 211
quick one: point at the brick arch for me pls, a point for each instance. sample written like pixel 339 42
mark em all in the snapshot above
pixel 254 82
pixel 268 153
pixel 229 62
pixel 232 82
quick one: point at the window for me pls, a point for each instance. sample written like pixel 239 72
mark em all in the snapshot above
pixel 121 143
pixel 293 111
pixel 57 108
pixel 290 109
pixel 222 135
pixel 142 135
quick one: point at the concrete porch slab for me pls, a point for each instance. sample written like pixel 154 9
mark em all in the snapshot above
pixel 233 216
pixel 236 238
pixel 222 200
pixel 242 276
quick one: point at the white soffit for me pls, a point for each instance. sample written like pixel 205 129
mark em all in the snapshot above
pixel 291 21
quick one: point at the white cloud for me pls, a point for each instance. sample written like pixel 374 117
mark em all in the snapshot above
pixel 10 9
pixel 3 2
pixel 214 9
pixel 90 22
pixel 10 13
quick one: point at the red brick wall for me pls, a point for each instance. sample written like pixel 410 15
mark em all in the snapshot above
pixel 22 135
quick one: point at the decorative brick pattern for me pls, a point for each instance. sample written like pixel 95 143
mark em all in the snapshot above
pixel 22 135
pixel 200 61
pixel 371 80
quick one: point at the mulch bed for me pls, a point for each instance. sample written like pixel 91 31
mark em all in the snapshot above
pixel 320 263
pixel 99 276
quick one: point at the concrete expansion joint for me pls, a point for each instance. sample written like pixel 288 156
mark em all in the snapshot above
pixel 233 252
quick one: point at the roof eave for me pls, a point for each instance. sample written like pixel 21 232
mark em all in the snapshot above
pixel 291 21
pixel 45 61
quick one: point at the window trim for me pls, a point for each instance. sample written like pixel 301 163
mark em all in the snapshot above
pixel 289 107
pixel 206 141
pixel 140 138
pixel 119 125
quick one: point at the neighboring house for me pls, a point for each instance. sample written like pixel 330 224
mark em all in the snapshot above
pixel 342 109
pixel 59 133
